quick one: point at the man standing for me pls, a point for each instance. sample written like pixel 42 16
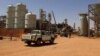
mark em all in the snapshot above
pixel 70 30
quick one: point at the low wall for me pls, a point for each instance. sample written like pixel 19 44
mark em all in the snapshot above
pixel 11 32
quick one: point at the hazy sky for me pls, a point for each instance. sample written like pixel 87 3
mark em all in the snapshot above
pixel 69 9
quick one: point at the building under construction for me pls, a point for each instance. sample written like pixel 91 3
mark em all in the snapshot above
pixel 94 14
pixel 85 23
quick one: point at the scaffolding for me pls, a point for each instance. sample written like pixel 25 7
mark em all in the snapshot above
pixel 94 14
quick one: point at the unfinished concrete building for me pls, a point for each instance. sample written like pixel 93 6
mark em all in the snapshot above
pixel 30 21
pixel 83 24
pixel 10 16
pixel 20 15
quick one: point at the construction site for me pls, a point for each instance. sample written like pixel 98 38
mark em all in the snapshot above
pixel 70 40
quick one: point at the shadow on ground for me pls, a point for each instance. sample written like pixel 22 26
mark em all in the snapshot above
pixel 34 45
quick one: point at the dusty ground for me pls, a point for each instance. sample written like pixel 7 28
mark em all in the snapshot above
pixel 76 46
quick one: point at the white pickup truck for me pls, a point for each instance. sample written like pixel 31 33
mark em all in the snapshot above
pixel 38 37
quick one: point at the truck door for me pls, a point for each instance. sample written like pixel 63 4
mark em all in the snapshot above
pixel 46 36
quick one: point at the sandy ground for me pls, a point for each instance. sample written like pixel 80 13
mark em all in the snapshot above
pixel 76 46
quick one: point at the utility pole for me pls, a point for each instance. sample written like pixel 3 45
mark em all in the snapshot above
pixel 74 26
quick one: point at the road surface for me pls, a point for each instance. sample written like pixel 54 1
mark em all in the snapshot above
pixel 75 46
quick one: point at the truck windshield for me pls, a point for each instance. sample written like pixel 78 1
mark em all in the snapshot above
pixel 36 32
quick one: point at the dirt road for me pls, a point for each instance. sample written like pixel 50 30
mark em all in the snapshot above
pixel 76 46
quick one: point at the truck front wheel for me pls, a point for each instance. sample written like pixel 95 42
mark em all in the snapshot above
pixel 38 42
pixel 52 41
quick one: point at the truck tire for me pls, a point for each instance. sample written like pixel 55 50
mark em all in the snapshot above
pixel 52 41
pixel 28 43
pixel 38 42
pixel 44 42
